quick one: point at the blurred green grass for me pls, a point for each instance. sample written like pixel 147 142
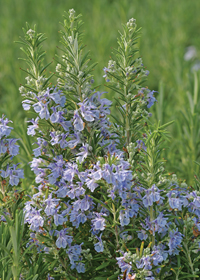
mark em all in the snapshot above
pixel 168 27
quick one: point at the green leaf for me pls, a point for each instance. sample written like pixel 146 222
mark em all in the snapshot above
pixel 6 250
pixel 188 276
pixel 165 125
pixel 112 277
pixel 100 278
pixel 105 264
pixel 45 67
pixel 100 202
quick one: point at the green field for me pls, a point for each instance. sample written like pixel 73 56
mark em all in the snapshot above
pixel 168 28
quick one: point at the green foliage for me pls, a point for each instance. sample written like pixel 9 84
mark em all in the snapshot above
pixel 168 28
pixel 183 154
pixel 184 150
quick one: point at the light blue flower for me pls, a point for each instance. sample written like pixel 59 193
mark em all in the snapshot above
pixel 99 245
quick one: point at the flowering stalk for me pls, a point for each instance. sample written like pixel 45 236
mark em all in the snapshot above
pixel 76 132
pixel 151 153
pixel 124 75
pixel 36 80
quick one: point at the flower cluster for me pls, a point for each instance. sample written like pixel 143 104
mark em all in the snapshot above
pixel 143 264
pixel 10 174
pixel 100 187
pixel 8 149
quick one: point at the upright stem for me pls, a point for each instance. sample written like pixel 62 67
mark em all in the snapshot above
pixel 151 219
pixel 127 127
pixel 2 188
pixel 187 253
pixel 127 119
pixel 79 92
pixel 151 167
pixel 116 230
pixel 116 234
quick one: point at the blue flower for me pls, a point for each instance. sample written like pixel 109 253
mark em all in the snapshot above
pixel 26 104
pixel 152 195
pixel 144 262
pixel 157 225
pixel 74 254
pixel 74 141
pixel 105 69
pixel 83 154
pixel 35 220
pixel 44 112
pixel 77 217
pixel 58 218
pixel 99 222
pixel 175 239
pixel 87 112
pixel 37 107
pixel 4 128
pixel 58 97
pixel 141 145
pixel 3 146
pixel 70 171
pixel 81 218
pixel 85 203
pixel 99 245
pixel 80 267
pixel 97 174
pixel 31 128
pixel 50 205
pixel 63 239
pixel 49 277
pixel 174 201
pixel 13 173
pixel 78 122
pixel 108 174
pixel 148 198
pixel 156 257
pixel 122 264
pixel 155 193
pixel 55 138
pixel 55 116
pixel 124 218
pixel 142 234
pixel 37 152
pixel 42 146
pixel 57 169
pixel 91 184
pixel 196 202
pixel 150 98
pixel 161 249
pixel 161 223
pixel 63 143
pixel 13 148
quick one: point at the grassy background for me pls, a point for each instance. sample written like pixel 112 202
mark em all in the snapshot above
pixel 168 27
